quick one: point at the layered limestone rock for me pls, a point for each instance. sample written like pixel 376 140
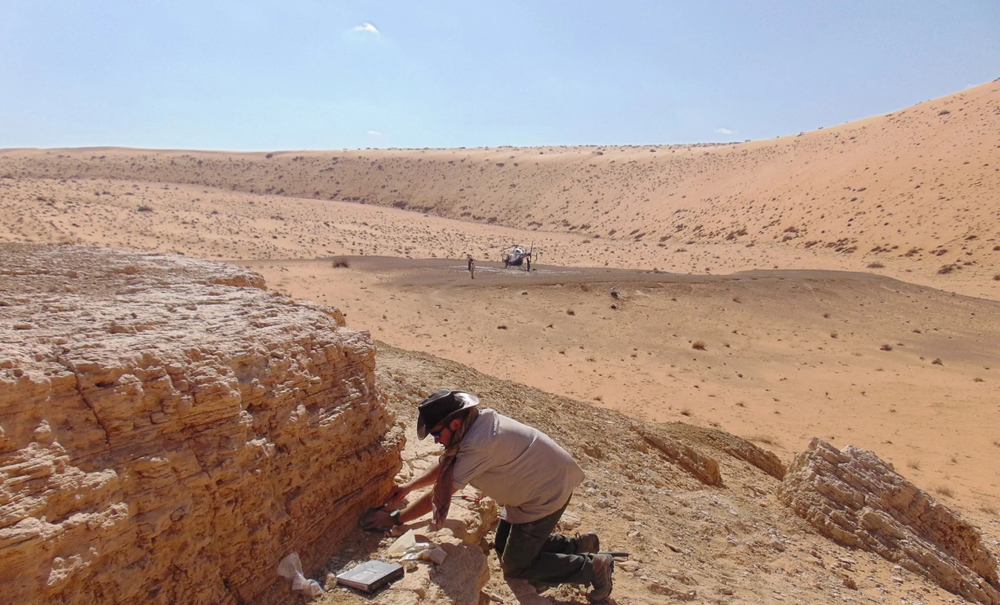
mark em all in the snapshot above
pixel 169 430
pixel 701 467
pixel 856 499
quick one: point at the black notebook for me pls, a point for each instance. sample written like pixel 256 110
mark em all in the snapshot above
pixel 371 575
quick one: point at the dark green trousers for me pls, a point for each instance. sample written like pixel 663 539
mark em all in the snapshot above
pixel 530 551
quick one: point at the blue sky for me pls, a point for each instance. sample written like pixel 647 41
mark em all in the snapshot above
pixel 310 74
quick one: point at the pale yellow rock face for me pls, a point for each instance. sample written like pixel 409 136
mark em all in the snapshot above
pixel 169 430
pixel 856 499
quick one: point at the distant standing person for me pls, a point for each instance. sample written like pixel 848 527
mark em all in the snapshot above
pixel 472 267
pixel 521 468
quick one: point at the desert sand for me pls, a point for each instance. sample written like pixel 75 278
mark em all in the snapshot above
pixel 842 283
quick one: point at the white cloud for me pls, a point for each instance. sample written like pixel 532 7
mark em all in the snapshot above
pixel 374 133
pixel 726 131
pixel 366 27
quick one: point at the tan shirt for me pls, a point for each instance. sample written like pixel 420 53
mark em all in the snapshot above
pixel 520 467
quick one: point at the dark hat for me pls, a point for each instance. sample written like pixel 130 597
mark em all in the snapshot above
pixel 442 404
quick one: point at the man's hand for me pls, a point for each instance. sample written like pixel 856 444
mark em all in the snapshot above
pixel 377 520
pixel 396 495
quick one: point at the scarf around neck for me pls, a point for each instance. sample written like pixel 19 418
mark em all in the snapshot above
pixel 443 486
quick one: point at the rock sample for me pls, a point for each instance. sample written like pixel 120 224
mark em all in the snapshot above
pixel 856 499
pixel 169 430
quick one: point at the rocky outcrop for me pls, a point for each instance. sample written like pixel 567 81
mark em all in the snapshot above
pixel 856 499
pixel 701 467
pixel 737 447
pixel 169 430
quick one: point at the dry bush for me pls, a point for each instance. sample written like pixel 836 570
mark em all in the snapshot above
pixel 768 439
pixel 876 266
pixel 937 362
pixel 996 277
pixel 944 490
pixel 914 464
pixel 833 334
pixel 885 348
pixel 686 412
pixel 144 209
pixel 698 344
pixel 340 263
pixel 570 312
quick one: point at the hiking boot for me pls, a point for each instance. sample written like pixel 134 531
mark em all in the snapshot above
pixel 603 567
pixel 588 543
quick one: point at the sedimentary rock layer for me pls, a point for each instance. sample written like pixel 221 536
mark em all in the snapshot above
pixel 856 499
pixel 169 430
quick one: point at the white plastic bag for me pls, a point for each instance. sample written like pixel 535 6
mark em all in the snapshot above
pixel 425 551
pixel 291 568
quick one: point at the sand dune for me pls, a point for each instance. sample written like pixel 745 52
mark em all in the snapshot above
pixel 912 191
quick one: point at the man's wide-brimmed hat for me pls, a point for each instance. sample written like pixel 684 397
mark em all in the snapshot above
pixel 440 406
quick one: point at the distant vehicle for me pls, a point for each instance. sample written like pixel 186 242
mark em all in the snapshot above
pixel 519 256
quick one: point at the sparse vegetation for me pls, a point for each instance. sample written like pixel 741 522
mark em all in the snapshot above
pixel 876 266
pixel 340 263
pixel 144 209
pixel 914 464
pixel 944 490
pixel 885 347
pixel 699 345
pixel 570 312
pixel 937 361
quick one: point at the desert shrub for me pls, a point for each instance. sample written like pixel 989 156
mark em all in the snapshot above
pixel 341 263
pixel 944 490
pixel 570 312
pixel 144 209
pixel 698 344
pixel 876 266
pixel 885 348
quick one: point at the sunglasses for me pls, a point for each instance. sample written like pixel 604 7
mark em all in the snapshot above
pixel 437 432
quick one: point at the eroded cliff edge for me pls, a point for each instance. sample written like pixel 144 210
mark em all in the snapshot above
pixel 169 429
